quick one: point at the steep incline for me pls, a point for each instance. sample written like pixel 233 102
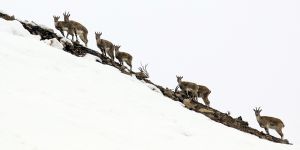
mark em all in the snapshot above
pixel 52 100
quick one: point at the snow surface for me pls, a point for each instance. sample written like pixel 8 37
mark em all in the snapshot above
pixel 40 25
pixel 54 43
pixel 14 27
pixel 51 100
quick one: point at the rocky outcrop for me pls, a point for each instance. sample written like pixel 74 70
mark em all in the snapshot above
pixel 7 17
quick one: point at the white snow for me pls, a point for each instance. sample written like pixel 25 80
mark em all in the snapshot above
pixel 51 100
pixel 14 27
pixel 54 43
pixel 66 41
pixel 40 25
pixel 4 12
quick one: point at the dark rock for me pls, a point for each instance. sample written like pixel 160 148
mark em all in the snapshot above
pixel 7 17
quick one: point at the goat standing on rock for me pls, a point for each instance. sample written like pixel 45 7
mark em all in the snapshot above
pixel 123 56
pixel 203 92
pixel 267 122
pixel 193 90
pixel 79 29
pixel 64 26
pixel 105 46
pixel 188 87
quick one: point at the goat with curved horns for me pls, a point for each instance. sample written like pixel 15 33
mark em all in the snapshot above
pixel 64 26
pixel 123 57
pixel 188 87
pixel 79 29
pixel 268 122
pixel 105 46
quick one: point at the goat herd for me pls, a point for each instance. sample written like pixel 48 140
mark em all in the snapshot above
pixel 75 28
pixel 192 90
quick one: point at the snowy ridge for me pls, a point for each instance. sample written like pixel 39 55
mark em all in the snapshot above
pixel 52 100
pixel 79 50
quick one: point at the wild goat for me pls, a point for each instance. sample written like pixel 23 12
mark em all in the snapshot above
pixel 203 92
pixel 79 29
pixel 105 46
pixel 143 74
pixel 123 56
pixel 188 87
pixel 64 26
pixel 267 122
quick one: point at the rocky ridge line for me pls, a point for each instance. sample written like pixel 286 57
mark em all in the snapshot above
pixel 80 51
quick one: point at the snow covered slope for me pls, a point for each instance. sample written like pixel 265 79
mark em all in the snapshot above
pixel 51 100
